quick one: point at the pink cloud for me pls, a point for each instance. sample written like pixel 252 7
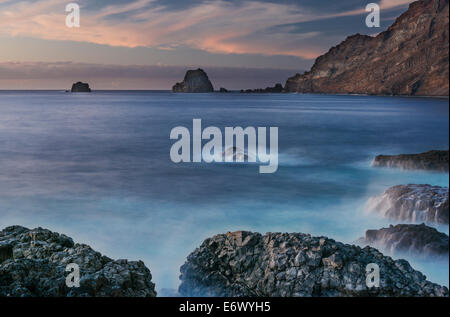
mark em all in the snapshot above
pixel 214 26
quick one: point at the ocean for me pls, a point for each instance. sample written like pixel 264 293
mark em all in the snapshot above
pixel 96 167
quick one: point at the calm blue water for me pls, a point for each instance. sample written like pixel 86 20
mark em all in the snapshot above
pixel 97 167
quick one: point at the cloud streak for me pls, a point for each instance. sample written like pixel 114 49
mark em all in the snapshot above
pixel 215 26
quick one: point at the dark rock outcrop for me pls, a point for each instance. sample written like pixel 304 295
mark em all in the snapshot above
pixel 80 87
pixel 410 58
pixel 36 261
pixel 296 264
pixel 413 203
pixel 194 81
pixel 6 252
pixel 223 89
pixel 417 240
pixel 278 88
pixel 431 160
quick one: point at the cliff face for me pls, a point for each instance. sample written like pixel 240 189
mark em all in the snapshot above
pixel 194 81
pixel 413 203
pixel 282 264
pixel 410 58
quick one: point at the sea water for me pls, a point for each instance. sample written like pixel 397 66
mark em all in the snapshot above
pixel 97 168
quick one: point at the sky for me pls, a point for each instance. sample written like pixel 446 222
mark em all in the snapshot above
pixel 149 44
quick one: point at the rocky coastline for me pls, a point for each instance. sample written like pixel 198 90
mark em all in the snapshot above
pixel 431 161
pixel 33 263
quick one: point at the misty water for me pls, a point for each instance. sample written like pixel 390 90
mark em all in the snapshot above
pixel 97 168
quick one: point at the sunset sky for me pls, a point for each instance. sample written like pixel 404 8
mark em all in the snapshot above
pixel 148 44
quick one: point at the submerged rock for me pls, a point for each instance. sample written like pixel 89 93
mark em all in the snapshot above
pixel 413 203
pixel 194 81
pixel 36 263
pixel 431 160
pixel 417 240
pixel 281 264
pixel 235 154
pixel 80 87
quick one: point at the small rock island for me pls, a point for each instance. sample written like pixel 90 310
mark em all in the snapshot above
pixel 80 87
pixel 195 81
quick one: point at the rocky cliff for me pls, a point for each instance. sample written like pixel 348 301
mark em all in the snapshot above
pixel 194 81
pixel 417 240
pixel 410 58
pixel 431 160
pixel 80 87
pixel 33 263
pixel 413 203
pixel 282 264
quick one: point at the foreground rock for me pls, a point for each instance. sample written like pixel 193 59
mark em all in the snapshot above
pixel 431 160
pixel 80 87
pixel 194 81
pixel 406 239
pixel 410 58
pixel 413 203
pixel 33 263
pixel 250 264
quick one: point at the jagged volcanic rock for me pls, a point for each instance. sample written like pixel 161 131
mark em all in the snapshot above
pixel 80 87
pixel 410 58
pixel 296 264
pixel 33 263
pixel 194 81
pixel 417 240
pixel 413 203
pixel 431 160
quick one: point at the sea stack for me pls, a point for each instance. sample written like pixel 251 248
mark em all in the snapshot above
pixel 195 81
pixel 80 87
